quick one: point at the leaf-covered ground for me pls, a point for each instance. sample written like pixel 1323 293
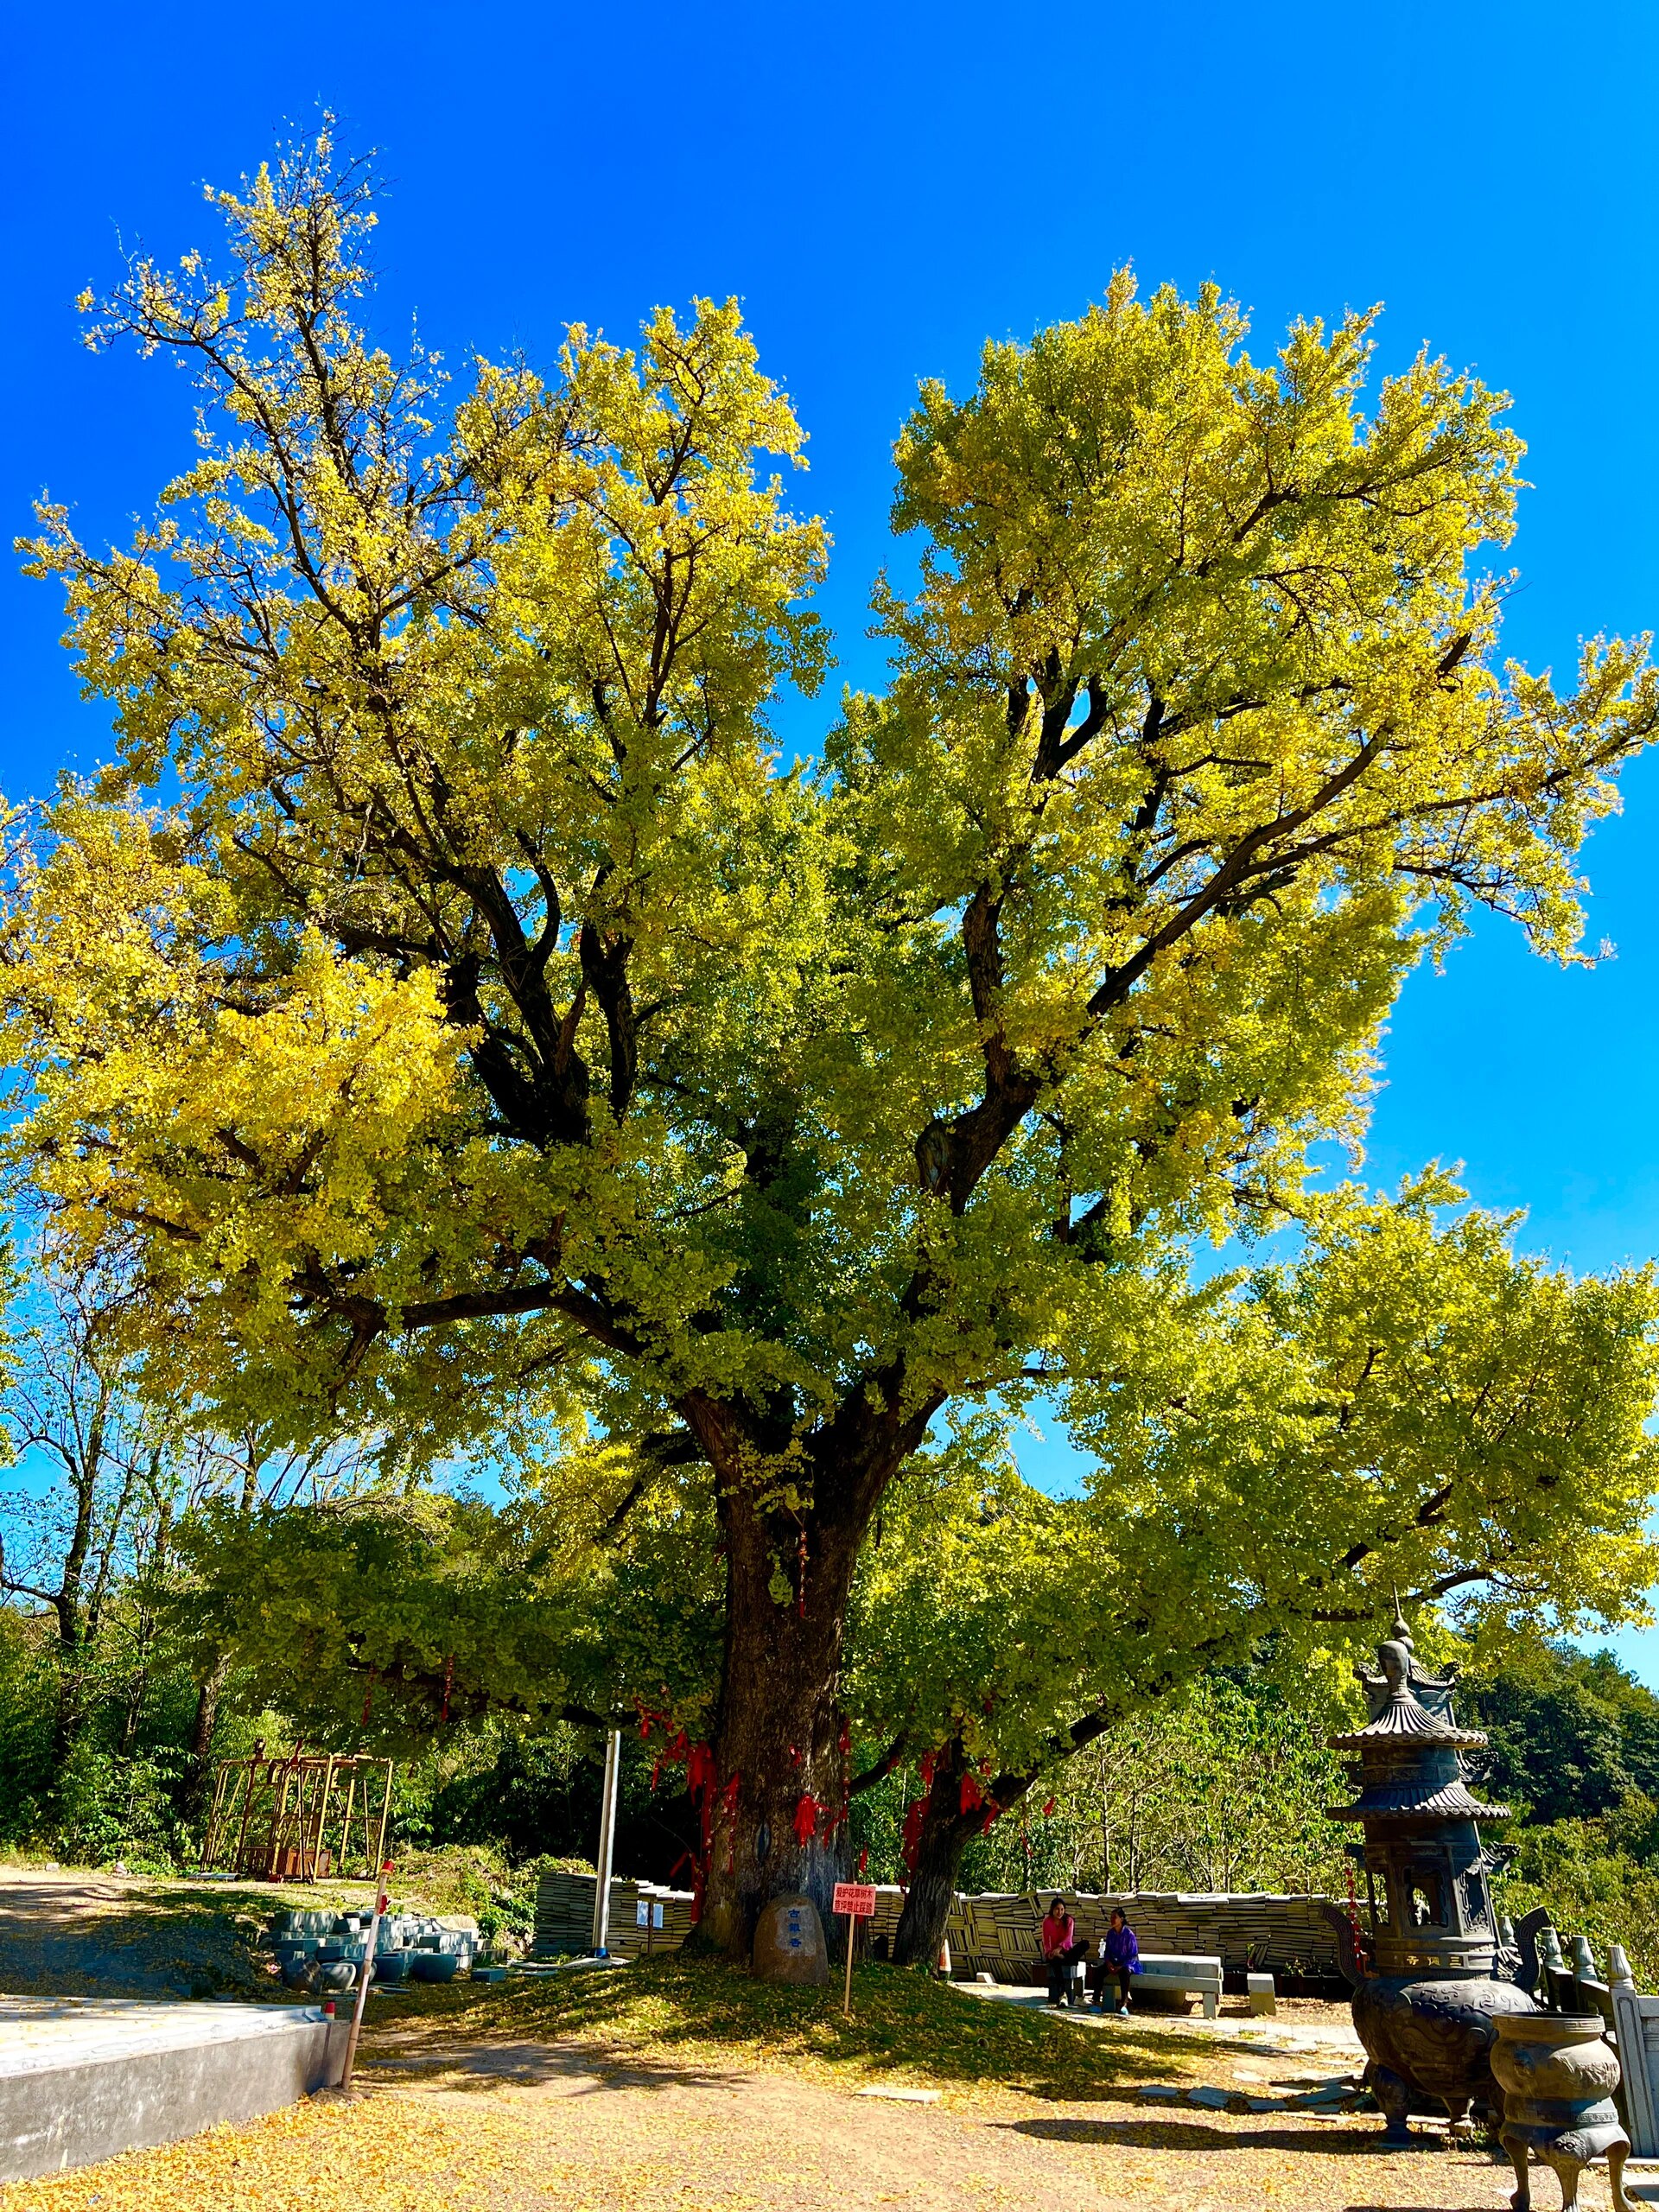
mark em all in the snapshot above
pixel 674 2086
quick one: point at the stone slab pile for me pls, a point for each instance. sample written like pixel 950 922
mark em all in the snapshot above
pixel 564 1916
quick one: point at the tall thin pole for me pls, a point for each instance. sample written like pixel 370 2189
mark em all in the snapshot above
pixel 322 1819
pixel 606 1843
pixel 367 1974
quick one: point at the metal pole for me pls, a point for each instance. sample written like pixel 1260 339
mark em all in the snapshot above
pixel 606 1843
pixel 366 1977
pixel 350 1766
pixel 254 1765
pixel 211 1840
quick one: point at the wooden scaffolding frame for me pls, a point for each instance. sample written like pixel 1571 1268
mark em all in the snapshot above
pixel 299 1816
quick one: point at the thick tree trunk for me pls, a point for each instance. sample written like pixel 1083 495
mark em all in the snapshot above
pixel 946 1829
pixel 776 1808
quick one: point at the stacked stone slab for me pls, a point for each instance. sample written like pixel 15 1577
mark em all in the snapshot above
pixel 1289 1934
pixel 564 1916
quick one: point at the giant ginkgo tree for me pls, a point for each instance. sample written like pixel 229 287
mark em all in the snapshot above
pixel 450 991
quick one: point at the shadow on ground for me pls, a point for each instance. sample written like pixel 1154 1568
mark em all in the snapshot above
pixel 83 1935
pixel 455 2068
pixel 1196 2135
pixel 685 2020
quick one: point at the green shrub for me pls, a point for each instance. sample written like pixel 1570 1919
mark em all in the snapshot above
pixel 1592 1883
pixel 109 1807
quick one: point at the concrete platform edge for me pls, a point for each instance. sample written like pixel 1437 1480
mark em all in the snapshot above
pixel 78 2114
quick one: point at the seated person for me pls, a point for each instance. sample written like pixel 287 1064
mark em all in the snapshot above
pixel 1060 1950
pixel 1120 1957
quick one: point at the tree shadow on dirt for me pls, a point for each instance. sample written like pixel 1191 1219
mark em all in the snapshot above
pixel 676 2020
pixel 456 2069
pixel 1186 2134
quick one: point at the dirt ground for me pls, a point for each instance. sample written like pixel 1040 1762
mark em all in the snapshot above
pixel 657 2137
pixel 457 2124
pixel 70 1931
pixel 475 2113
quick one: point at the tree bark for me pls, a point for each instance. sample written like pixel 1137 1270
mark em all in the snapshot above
pixel 946 1831
pixel 199 1769
pixel 775 1810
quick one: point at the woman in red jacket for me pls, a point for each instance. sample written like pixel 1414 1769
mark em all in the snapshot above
pixel 1061 1948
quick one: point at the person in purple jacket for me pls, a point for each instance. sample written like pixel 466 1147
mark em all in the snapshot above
pixel 1120 1957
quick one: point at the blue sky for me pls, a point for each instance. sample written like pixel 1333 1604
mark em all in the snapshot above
pixel 884 188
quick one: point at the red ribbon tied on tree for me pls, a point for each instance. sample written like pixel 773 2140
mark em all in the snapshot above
pixel 1048 1808
pixel 971 1797
pixel 910 1848
pixel 806 1819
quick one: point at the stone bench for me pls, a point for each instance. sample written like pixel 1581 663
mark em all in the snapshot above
pixel 1168 1974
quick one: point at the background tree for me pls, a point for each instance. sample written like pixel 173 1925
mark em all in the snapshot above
pixel 413 1609
pixel 1220 1787
pixel 486 999
pixel 71 1408
pixel 1571 1735
pixel 232 1480
pixel 1409 1402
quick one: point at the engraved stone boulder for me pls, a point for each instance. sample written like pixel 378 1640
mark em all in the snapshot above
pixel 789 1944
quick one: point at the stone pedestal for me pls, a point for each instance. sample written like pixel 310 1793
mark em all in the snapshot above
pixel 789 1944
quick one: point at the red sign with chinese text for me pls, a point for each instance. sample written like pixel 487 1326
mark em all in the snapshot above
pixel 857 1898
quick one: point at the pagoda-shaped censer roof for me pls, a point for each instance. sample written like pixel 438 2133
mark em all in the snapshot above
pixel 1410 1750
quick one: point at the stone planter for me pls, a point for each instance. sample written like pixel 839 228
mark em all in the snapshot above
pixel 1558 2073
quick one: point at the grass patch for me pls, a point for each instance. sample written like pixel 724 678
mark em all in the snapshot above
pixel 701 2015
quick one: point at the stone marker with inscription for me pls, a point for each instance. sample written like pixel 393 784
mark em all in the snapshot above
pixel 789 1944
